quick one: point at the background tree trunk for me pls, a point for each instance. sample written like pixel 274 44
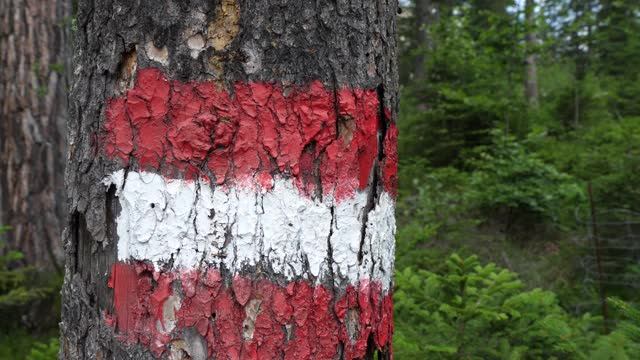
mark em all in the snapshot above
pixel 423 18
pixel 531 85
pixel 231 180
pixel 33 112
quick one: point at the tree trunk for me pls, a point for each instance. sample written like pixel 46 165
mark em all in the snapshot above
pixel 231 180
pixel 423 18
pixel 33 112
pixel 531 85
pixel 580 55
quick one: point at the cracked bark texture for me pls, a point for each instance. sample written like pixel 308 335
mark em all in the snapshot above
pixel 33 92
pixel 290 43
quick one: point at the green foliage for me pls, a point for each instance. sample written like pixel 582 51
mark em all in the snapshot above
pixel 568 103
pixel 611 347
pixel 27 294
pixel 15 344
pixel 70 22
pixel 630 327
pixel 624 342
pixel 45 351
pixel 607 153
pixel 510 178
pixel 618 46
pixel 57 67
pixel 476 157
pixel 19 344
pixel 471 87
pixel 470 311
pixel 18 285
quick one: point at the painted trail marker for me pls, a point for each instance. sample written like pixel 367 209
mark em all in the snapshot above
pixel 259 222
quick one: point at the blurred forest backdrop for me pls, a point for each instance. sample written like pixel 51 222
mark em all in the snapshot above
pixel 511 112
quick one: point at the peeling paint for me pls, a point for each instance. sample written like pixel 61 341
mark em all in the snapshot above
pixel 295 187
pixel 185 222
pixel 390 162
pixel 168 321
pixel 294 321
pixel 249 324
pixel 271 132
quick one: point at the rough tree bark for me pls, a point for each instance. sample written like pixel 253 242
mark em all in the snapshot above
pixel 231 180
pixel 33 112
pixel 531 76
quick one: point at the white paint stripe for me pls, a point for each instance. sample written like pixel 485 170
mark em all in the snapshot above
pixel 234 226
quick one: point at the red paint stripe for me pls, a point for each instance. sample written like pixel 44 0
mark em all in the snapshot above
pixel 318 323
pixel 184 130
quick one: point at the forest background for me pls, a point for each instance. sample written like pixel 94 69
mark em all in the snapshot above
pixel 519 206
